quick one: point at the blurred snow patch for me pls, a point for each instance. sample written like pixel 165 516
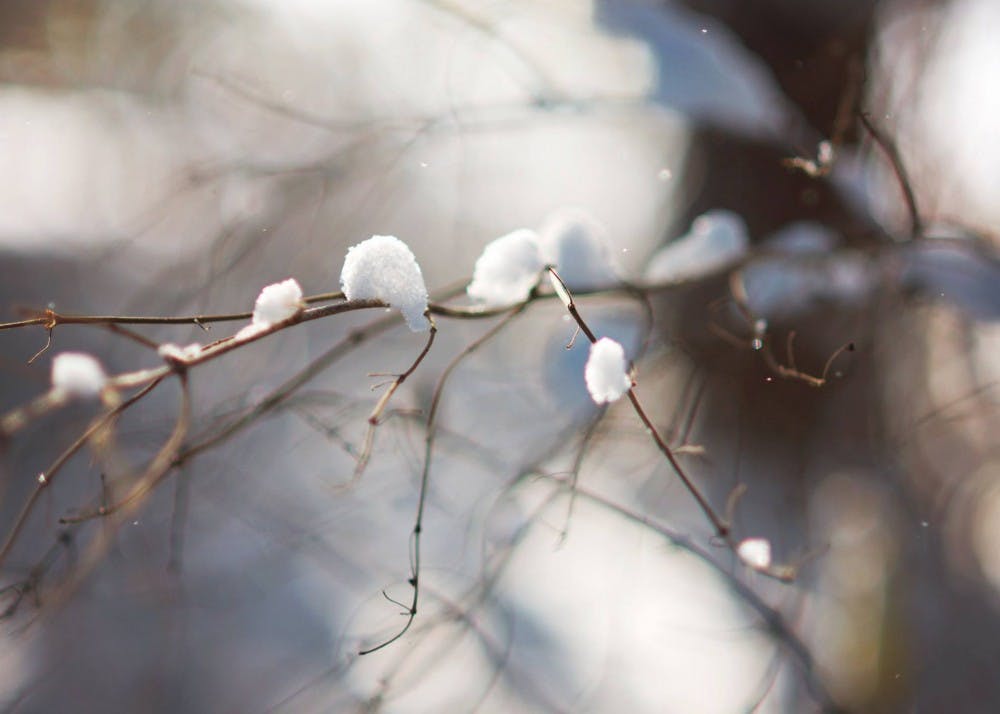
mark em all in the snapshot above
pixel 647 625
pixel 78 374
pixel 955 272
pixel 938 105
pixel 507 270
pixel 717 239
pixel 577 244
pixel 80 167
pixel 704 69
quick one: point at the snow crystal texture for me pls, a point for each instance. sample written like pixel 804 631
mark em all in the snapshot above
pixel 717 239
pixel 507 270
pixel 78 374
pixel 383 268
pixel 277 302
pixel 606 371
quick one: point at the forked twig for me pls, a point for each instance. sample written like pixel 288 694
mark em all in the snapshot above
pixel 157 469
pixel 46 478
pixel 762 342
pixel 431 430
pixel 899 168
pixel 375 418
pixel 721 528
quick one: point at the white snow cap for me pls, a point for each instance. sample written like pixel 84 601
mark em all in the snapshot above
pixel 755 552
pixel 78 374
pixel 606 371
pixel 507 270
pixel 248 332
pixel 578 245
pixel 383 268
pixel 717 238
pixel 170 350
pixel 277 302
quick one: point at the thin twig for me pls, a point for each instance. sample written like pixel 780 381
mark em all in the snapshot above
pixel 574 474
pixel 899 168
pixel 157 469
pixel 375 418
pixel 771 617
pixel 50 319
pixel 414 580
pixel 721 527
pixel 46 478
pixel 762 341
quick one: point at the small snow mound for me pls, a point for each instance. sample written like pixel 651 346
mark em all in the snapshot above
pixel 755 552
pixel 278 302
pixel 716 240
pixel 507 270
pixel 578 245
pixel 383 268
pixel 78 374
pixel 606 371
pixel 248 332
pixel 171 351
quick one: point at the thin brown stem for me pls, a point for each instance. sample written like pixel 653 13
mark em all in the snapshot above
pixel 278 396
pixel 772 618
pixel 899 169
pixel 375 418
pixel 414 581
pixel 157 469
pixel 51 319
pixel 48 477
pixel 722 529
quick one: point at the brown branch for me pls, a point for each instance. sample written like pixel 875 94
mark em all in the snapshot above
pixel 157 469
pixel 771 617
pixel 899 169
pixel 431 430
pixel 722 528
pixel 375 418
pixel 51 319
pixel 761 341
pixel 46 478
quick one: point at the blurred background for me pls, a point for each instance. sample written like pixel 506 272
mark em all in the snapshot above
pixel 173 158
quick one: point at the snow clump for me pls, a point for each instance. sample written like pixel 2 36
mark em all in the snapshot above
pixel 278 302
pixel 755 552
pixel 716 240
pixel 577 245
pixel 383 268
pixel 507 270
pixel 77 374
pixel 176 353
pixel 606 372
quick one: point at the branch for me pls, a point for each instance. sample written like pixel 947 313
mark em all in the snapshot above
pixel 722 528
pixel 46 478
pixel 899 168
pixel 159 467
pixel 414 580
